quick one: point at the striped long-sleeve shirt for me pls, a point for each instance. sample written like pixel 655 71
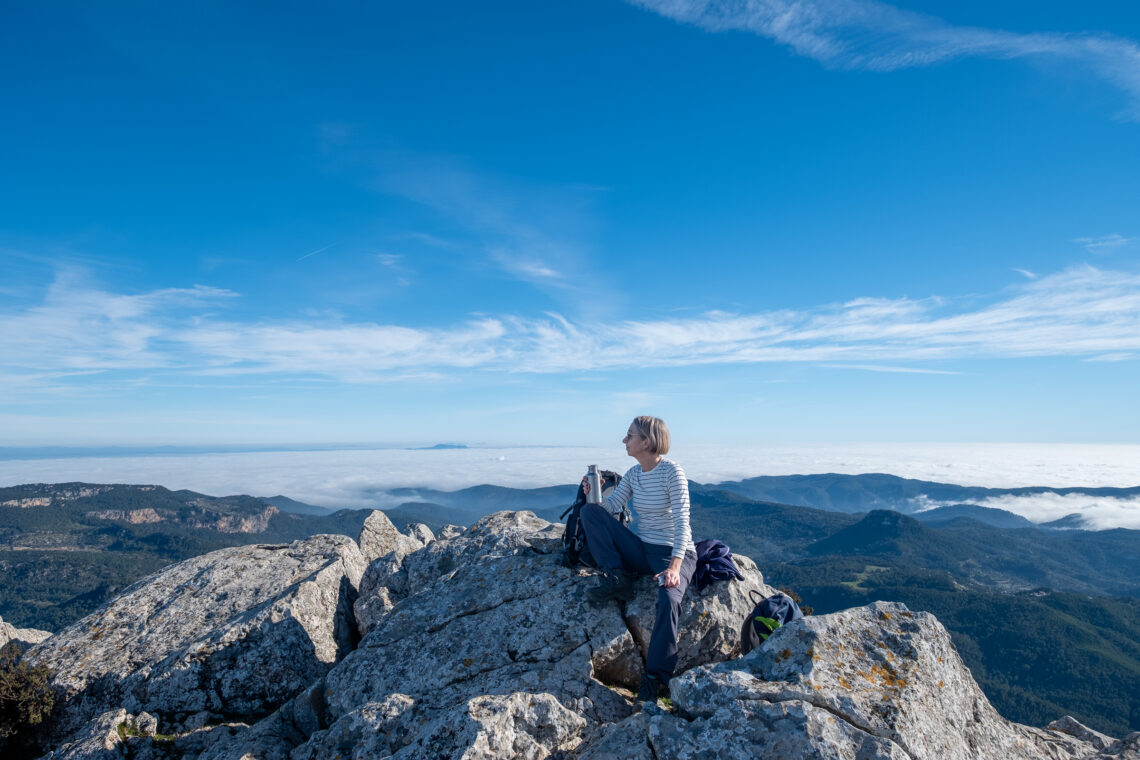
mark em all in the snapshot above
pixel 661 502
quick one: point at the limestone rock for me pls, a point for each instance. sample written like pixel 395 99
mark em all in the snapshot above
pixel 872 682
pixel 379 537
pixel 450 531
pixel 385 549
pixel 98 740
pixel 23 636
pixel 519 725
pixel 202 516
pixel 419 532
pixel 372 730
pixel 481 644
pixel 190 746
pixel 376 602
pixel 132 516
pixel 231 634
pixel 487 623
pixel 1127 748
pixel 497 534
pixel 626 740
pixel 1073 727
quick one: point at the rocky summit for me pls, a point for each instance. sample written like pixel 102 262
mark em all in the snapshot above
pixel 479 643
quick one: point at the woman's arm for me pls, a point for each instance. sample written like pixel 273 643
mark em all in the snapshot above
pixel 682 535
pixel 679 506
pixel 615 502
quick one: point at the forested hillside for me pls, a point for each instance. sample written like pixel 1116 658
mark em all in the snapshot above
pixel 1047 620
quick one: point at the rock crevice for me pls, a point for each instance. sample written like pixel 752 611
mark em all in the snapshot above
pixel 480 644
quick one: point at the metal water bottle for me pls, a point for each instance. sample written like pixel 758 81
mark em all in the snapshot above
pixel 595 481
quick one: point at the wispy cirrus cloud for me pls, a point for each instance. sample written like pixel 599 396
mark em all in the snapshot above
pixel 875 36
pixel 79 328
pixel 529 233
pixel 889 369
pixel 1104 243
pixel 1084 313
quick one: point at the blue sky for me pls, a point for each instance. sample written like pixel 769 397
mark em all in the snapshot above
pixel 825 221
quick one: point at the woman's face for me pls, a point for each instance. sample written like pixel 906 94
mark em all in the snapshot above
pixel 635 442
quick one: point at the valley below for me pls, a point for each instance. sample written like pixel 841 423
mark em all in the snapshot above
pixel 1046 618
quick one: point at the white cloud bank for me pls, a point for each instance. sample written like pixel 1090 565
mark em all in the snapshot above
pixel 864 34
pixel 1098 512
pixel 1082 312
pixel 358 478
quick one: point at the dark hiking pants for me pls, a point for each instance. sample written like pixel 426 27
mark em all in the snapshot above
pixel 616 547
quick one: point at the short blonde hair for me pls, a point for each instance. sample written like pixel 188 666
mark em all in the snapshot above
pixel 655 429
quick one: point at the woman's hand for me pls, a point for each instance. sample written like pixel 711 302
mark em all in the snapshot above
pixel 672 573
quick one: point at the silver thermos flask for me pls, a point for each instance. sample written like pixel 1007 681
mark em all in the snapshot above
pixel 595 481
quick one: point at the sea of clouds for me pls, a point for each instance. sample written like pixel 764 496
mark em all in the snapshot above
pixel 360 478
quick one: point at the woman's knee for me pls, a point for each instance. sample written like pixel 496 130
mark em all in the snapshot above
pixel 594 510
pixel 591 514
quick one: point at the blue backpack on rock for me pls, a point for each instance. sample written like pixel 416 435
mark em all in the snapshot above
pixel 769 614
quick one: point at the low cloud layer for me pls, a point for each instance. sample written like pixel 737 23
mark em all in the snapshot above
pixel 1097 512
pixel 360 478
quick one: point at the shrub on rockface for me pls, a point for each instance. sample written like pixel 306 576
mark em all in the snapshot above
pixel 26 695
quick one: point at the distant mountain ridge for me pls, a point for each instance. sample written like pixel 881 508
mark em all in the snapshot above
pixel 483 499
pixel 999 518
pixel 863 493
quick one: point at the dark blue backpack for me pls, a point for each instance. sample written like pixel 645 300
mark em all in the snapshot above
pixel 769 614
pixel 574 538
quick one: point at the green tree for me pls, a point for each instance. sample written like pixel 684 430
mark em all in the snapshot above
pixel 26 695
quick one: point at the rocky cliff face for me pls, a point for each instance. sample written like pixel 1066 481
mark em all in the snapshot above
pixel 201 517
pixel 47 494
pixel 479 644
pixel 22 636
pixel 228 635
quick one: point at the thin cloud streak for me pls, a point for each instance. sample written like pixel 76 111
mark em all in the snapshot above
pixel 1081 313
pixel 885 368
pixel 314 253
pixel 874 36
pixel 500 217
pixel 1103 243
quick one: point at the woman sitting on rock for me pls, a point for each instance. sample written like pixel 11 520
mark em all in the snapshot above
pixel 661 547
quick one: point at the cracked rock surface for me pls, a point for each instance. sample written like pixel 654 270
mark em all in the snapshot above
pixel 872 682
pixel 230 634
pixel 384 549
pixel 480 644
pixel 379 538
pixel 490 623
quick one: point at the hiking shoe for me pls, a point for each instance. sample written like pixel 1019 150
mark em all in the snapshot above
pixel 649 690
pixel 614 584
